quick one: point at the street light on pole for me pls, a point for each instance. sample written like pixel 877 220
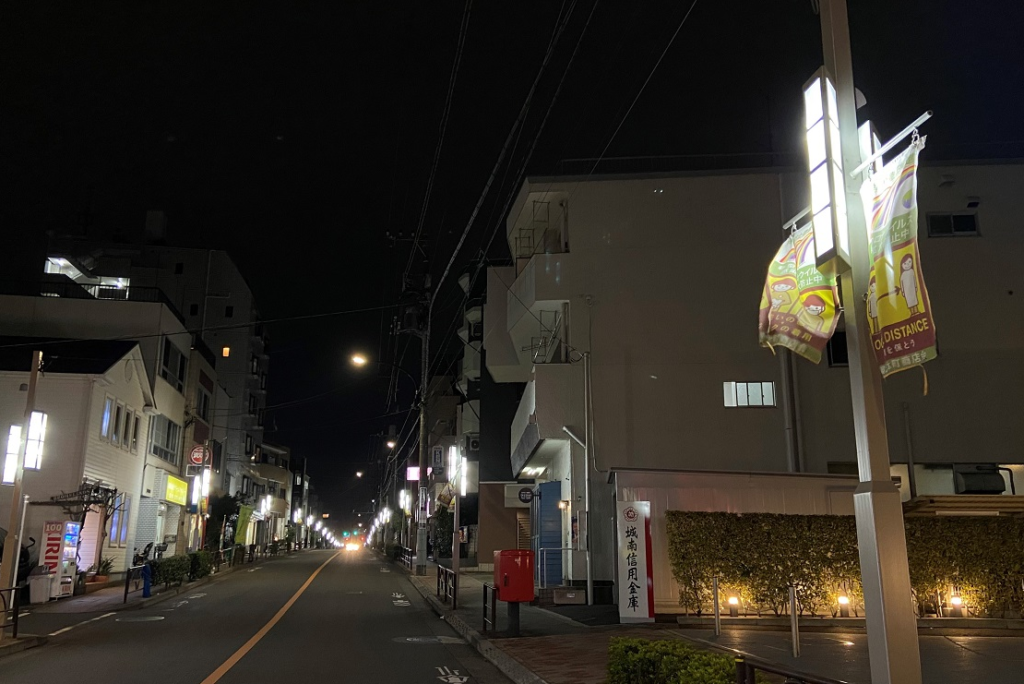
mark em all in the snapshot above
pixel 893 647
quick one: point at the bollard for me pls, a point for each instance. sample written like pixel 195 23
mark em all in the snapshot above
pixel 741 671
pixel 147 579
pixel 718 607
pixel 513 619
pixel 794 621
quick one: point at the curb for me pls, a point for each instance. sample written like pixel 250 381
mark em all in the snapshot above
pixel 508 665
pixel 171 593
pixel 9 648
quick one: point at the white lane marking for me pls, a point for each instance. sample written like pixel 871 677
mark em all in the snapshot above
pixel 21 615
pixel 450 676
pixel 197 596
pixel 84 622
pixel 179 604
pixel 383 569
pixel 255 569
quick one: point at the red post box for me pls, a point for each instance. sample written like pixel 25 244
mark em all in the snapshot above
pixel 513 575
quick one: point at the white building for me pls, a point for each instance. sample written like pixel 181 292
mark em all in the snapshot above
pixel 98 400
pixel 658 279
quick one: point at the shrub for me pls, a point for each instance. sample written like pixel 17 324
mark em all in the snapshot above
pixel 170 570
pixel 756 556
pixel 200 564
pixel 639 661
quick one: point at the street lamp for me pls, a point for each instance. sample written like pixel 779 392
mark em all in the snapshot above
pixel 359 473
pixel 391 444
pixel 358 360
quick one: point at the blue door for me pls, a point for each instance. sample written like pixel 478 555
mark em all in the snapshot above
pixel 548 534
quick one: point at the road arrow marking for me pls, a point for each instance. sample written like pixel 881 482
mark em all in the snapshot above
pixel 450 676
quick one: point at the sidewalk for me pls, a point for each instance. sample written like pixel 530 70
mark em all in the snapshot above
pixel 554 649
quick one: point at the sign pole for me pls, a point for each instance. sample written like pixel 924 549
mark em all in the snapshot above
pixel 12 545
pixel 891 626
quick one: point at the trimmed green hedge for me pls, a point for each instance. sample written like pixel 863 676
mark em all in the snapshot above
pixel 170 570
pixel 758 555
pixel 639 661
pixel 200 564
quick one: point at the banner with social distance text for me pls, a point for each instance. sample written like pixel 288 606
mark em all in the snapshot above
pixel 899 312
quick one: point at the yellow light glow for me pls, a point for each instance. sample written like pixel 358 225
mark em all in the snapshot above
pixel 733 601
pixel 358 359
pixel 351 547
pixel 225 352
pixel 844 600
pixel 392 444
pixel 956 601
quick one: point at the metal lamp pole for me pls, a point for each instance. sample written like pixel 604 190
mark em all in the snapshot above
pixel 421 501
pixel 891 626
pixel 12 545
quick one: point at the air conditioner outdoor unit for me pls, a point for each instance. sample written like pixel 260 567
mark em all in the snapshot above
pixel 473 442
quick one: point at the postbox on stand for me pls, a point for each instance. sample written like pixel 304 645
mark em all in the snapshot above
pixel 513 582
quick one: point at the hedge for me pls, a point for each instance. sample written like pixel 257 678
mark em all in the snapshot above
pixel 170 570
pixel 639 661
pixel 200 564
pixel 758 555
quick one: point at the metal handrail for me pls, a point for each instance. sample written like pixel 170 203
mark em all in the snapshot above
pixel 493 622
pixel 747 666
pixel 543 568
pixel 14 610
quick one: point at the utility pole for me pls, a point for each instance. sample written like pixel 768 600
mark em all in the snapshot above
pixel 12 544
pixel 421 500
pixel 891 626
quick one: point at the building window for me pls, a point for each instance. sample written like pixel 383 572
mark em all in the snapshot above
pixel 957 224
pixel 263 381
pixel 254 364
pixel 203 404
pixel 126 509
pixel 229 312
pixel 225 352
pixel 174 366
pixel 108 417
pixel 747 394
pixel 164 438
pixel 838 356
pixel 119 521
pixel 126 433
pixel 246 484
pixel 259 417
pixel 135 436
pixel 179 268
pixel 248 444
pixel 118 427
pixel 252 404
pixel 193 309
pixel 298 479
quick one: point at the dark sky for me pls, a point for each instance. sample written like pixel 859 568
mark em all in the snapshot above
pixel 298 135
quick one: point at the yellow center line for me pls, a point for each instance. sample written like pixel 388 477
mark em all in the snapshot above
pixel 216 675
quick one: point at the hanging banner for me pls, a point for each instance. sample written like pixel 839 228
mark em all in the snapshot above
pixel 798 304
pixel 898 309
pixel 636 579
pixel 242 526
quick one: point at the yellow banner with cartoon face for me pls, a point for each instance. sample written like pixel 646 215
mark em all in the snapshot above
pixel 898 309
pixel 798 303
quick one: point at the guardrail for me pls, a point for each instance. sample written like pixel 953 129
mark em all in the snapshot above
pixel 747 666
pixel 448 586
pixel 408 558
pixel 11 603
pixel 542 567
pixel 493 621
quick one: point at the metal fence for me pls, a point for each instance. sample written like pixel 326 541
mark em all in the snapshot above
pixel 492 621
pixel 408 558
pixel 133 581
pixel 10 601
pixel 747 666
pixel 448 586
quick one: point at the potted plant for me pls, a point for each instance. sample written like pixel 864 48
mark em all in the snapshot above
pixel 103 570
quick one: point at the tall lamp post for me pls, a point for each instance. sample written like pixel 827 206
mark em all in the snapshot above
pixel 840 231
pixel 30 438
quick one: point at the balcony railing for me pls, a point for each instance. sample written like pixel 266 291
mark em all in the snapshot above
pixel 62 286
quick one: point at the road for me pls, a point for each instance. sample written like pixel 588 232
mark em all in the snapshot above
pixel 316 616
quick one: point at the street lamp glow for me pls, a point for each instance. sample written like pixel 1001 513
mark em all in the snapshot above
pixel 358 360
pixel 34 441
pixel 733 601
pixel 359 473
pixel 392 444
pixel 825 164
pixel 844 600
pixel 956 601
pixel 318 525
pixel 309 520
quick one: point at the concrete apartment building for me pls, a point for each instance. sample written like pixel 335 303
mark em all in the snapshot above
pixel 656 281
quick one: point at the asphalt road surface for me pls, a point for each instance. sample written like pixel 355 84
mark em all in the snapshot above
pixel 317 616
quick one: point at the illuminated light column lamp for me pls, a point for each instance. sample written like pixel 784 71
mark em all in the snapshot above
pixel 309 529
pixel 28 456
pixel 841 240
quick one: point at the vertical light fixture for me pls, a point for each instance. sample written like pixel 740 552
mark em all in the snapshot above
pixel 462 478
pixel 11 457
pixel 825 164
pixel 34 442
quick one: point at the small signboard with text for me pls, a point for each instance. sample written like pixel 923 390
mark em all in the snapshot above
pixel 53 538
pixel 635 577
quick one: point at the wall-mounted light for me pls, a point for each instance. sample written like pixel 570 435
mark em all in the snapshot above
pixel 563 504
pixel 225 352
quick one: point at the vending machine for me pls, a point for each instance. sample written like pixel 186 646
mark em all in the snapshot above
pixel 60 555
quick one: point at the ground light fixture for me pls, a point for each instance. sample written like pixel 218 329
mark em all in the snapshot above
pixel 844 606
pixel 957 603
pixel 734 606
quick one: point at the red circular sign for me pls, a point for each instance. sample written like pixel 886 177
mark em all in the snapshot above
pixel 199 455
pixel 631 514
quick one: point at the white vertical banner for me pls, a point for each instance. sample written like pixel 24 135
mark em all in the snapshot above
pixel 636 579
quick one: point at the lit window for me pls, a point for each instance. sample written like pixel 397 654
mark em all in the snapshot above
pixel 225 352
pixel 108 417
pixel 164 436
pixel 748 394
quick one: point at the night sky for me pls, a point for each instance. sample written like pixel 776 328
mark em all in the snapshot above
pixel 299 137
